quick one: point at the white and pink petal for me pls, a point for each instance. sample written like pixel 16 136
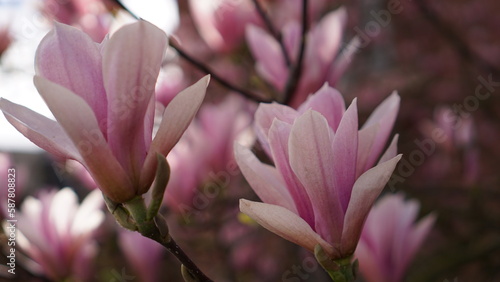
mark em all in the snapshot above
pixel 44 132
pixel 312 160
pixel 80 124
pixel 285 224
pixel 70 58
pixel 264 179
pixel 131 63
pixel 176 118
pixel 364 193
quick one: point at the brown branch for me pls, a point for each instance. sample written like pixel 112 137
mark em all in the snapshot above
pixel 205 68
pixel 276 34
pixel 296 71
pixel 215 76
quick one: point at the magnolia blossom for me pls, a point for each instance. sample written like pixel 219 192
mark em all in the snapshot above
pixel 326 175
pixel 222 23
pixel 452 130
pixel 142 253
pixel 390 238
pixel 322 45
pixel 58 233
pixel 171 81
pixel 450 145
pixel 91 16
pixel 204 154
pixel 102 96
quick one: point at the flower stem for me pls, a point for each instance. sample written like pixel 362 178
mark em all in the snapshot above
pixel 341 269
pixel 150 228
pixel 345 272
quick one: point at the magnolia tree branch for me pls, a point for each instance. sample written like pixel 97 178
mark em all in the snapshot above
pixel 274 32
pixel 216 77
pixel 169 243
pixel 156 229
pixel 204 68
pixel 296 71
pixel 136 216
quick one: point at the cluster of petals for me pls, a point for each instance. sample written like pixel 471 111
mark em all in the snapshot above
pixel 322 45
pixel 326 172
pixel 206 150
pixel 91 16
pixel 390 238
pixel 102 97
pixel 222 23
pixel 58 233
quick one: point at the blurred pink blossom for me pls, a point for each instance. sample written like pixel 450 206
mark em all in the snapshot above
pixel 390 238
pixel 92 17
pixel 58 233
pixel 453 136
pixel 456 130
pixel 322 45
pixel 143 254
pixel 102 96
pixel 326 174
pixel 222 23
pixel 205 150
pixel 249 250
pixel 172 80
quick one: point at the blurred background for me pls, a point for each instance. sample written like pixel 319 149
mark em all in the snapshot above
pixel 443 58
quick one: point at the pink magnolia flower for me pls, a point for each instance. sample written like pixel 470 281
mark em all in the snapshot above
pixel 143 254
pixel 102 96
pixel 58 233
pixel 92 16
pixel 450 146
pixel 322 45
pixel 390 238
pixel 323 183
pixel 172 80
pixel 222 23
pixel 455 131
pixel 204 154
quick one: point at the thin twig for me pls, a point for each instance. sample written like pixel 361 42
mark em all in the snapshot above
pixel 295 73
pixel 157 230
pixel 205 68
pixel 276 34
pixel 172 246
pixel 215 76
